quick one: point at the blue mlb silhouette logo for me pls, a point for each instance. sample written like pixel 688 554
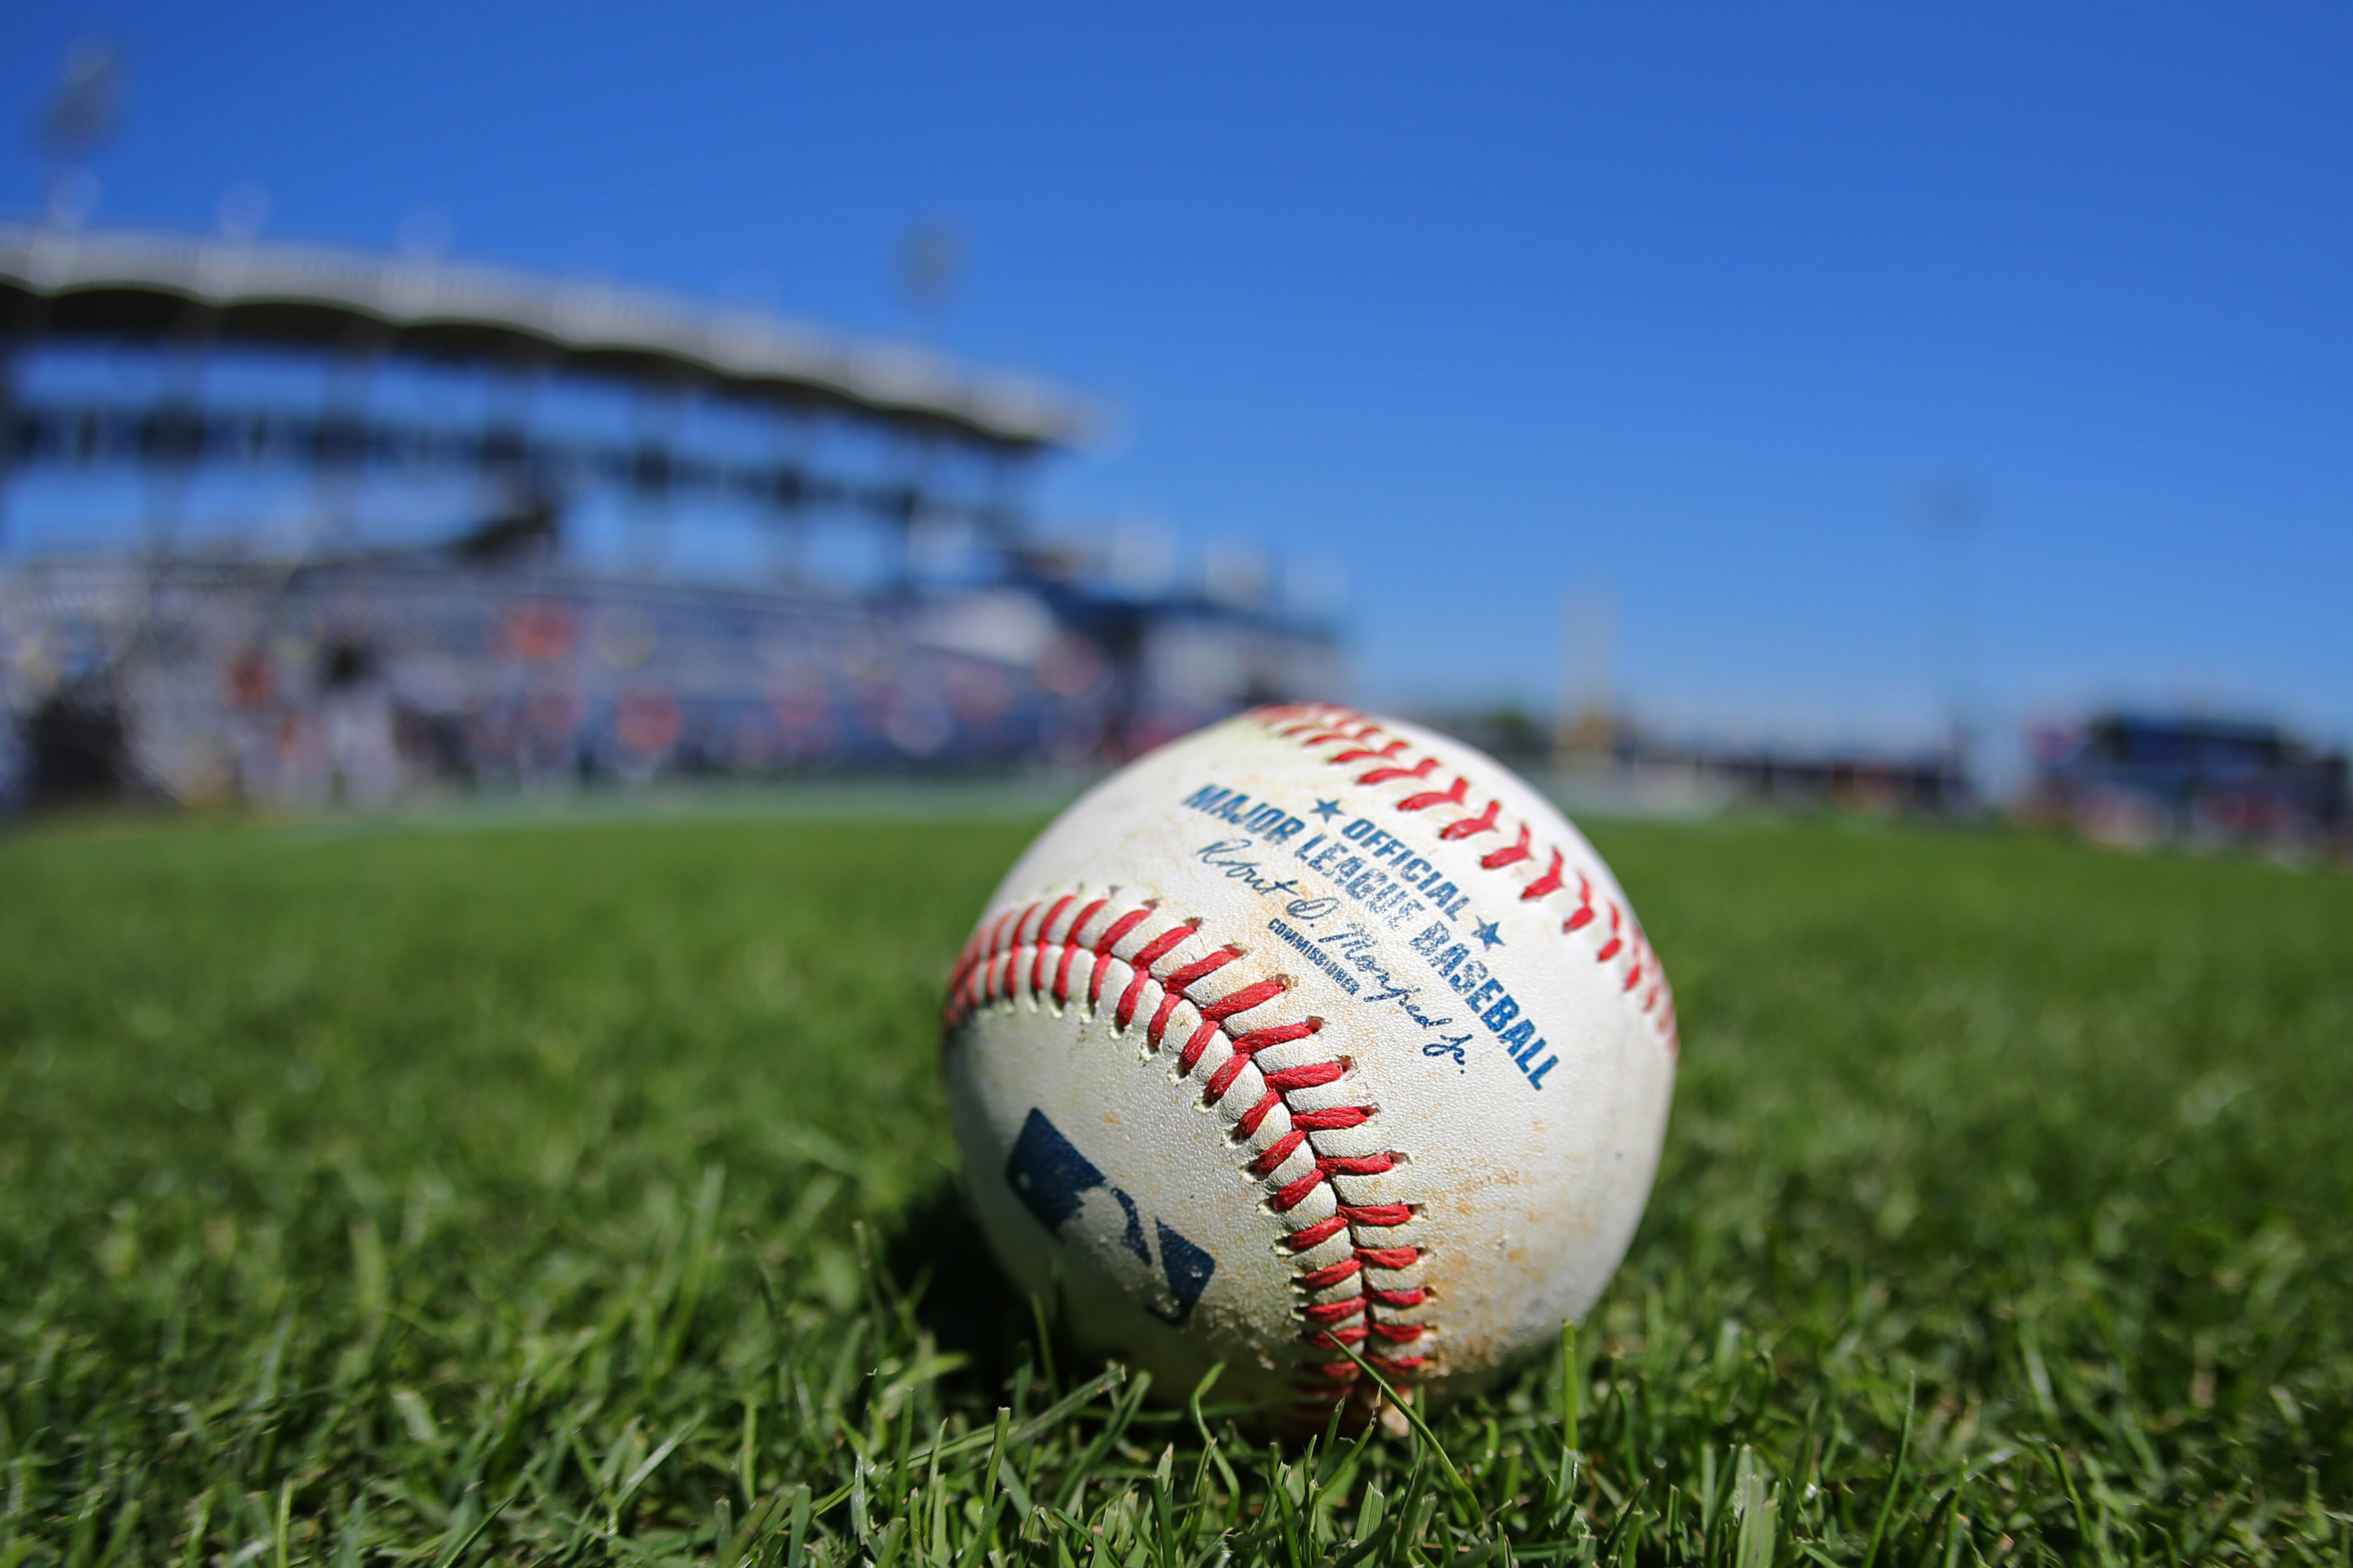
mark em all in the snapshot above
pixel 1053 1179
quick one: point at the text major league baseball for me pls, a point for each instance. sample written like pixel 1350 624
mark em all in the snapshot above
pixel 1378 875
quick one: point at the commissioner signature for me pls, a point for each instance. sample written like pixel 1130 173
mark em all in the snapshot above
pixel 1226 855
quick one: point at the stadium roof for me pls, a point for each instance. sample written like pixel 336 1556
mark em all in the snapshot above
pixel 139 283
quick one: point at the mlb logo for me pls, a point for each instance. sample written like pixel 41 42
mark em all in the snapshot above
pixel 1074 1201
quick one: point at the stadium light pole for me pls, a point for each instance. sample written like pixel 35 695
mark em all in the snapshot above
pixel 1948 511
pixel 1585 707
pixel 80 120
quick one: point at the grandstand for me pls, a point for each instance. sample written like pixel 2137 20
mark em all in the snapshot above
pixel 292 524
pixel 2138 779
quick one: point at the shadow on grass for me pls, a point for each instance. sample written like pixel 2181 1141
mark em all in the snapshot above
pixel 937 1255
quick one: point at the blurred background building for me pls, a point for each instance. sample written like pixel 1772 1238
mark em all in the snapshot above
pixel 1602 759
pixel 294 525
pixel 2140 779
pixel 1878 466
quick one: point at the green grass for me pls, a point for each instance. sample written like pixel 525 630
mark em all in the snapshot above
pixel 581 1193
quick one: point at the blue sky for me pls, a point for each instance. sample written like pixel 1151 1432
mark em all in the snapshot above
pixel 1682 305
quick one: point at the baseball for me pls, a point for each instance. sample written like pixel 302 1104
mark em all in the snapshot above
pixel 1311 1030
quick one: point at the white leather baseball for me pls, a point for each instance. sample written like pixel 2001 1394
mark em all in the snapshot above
pixel 1311 1029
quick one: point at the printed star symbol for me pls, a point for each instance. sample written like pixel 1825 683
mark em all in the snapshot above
pixel 1488 934
pixel 1328 809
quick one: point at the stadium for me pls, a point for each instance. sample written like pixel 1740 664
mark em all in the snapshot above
pixel 484 1120
pixel 293 525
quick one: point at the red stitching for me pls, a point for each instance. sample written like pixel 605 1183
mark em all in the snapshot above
pixel 1160 1015
pixel 1295 1192
pixel 1312 725
pixel 1063 970
pixel 1153 951
pixel 1109 940
pixel 1279 1150
pixel 1438 796
pixel 1367 734
pixel 1317 1234
pixel 1331 1274
pixel 987 972
pixel 1120 928
pixel 996 934
pixel 1372 1216
pixel 1582 915
pixel 1496 859
pixel 1159 947
pixel 1547 883
pixel 1483 823
pixel 1191 1055
pixel 1243 1000
pixel 1421 770
pixel 1277 1035
pixel 1609 949
pixel 1245 1127
pixel 1038 964
pixel 1223 1078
